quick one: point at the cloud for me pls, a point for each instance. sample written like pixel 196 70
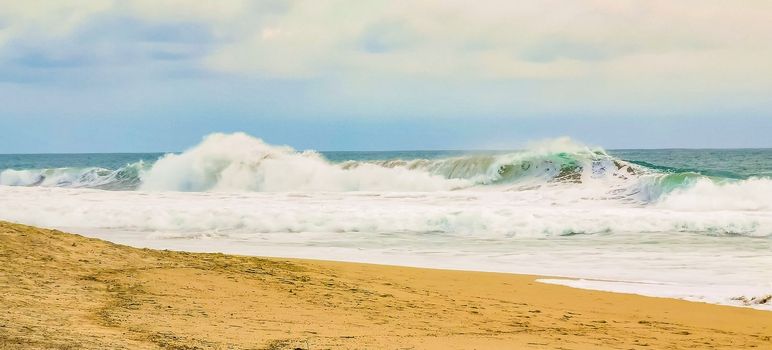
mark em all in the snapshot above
pixel 387 36
pixel 594 52
pixel 101 46
pixel 495 40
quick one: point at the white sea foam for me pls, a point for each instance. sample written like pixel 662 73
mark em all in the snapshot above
pixel 546 231
pixel 558 208
pixel 12 177
pixel 750 195
pixel 90 177
pixel 238 162
pixel 483 214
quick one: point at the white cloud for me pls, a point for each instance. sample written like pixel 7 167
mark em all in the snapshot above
pixel 40 18
pixel 501 39
pixel 613 49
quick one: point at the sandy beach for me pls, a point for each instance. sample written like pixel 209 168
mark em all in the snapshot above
pixel 308 175
pixel 65 291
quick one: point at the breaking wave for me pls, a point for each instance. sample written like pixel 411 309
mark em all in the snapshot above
pixel 125 178
pixel 557 208
pixel 239 162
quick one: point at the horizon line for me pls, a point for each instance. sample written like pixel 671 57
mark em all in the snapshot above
pixel 407 150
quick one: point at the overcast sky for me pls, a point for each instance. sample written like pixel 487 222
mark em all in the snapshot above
pixel 149 75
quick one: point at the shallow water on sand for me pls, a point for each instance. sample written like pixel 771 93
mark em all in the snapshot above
pixel 692 224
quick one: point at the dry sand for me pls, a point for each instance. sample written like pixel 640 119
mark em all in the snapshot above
pixel 64 291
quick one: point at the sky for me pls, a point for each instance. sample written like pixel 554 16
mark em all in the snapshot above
pixel 149 75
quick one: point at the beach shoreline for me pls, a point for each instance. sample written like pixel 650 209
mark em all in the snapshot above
pixel 63 290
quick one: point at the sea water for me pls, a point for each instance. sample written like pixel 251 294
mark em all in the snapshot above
pixel 690 224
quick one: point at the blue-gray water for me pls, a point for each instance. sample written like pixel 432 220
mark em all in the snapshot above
pixel 735 163
pixel 694 224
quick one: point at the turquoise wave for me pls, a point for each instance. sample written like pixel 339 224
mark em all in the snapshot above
pixel 641 180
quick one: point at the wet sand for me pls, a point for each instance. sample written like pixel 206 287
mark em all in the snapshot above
pixel 64 291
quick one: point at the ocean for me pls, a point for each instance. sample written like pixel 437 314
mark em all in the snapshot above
pixel 680 223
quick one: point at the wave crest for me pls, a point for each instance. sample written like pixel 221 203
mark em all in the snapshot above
pixel 125 178
pixel 239 162
pixel 563 170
